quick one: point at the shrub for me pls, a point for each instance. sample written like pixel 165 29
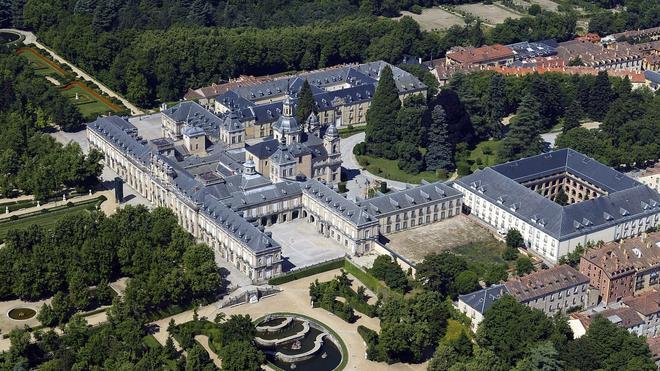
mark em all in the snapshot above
pixel 342 187
pixel 69 204
pixel 416 9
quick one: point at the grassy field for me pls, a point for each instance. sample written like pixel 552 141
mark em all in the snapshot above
pixel 348 131
pixel 42 67
pixel 89 106
pixel 482 252
pixel 489 158
pixel 491 14
pixel 45 219
pixel 454 329
pixel 389 169
pixel 435 19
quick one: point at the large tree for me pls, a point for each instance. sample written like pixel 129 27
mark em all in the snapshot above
pixel 572 116
pixel 439 155
pixel 381 129
pixel 241 356
pixel 523 139
pixel 438 272
pixel 306 104
pixel 600 96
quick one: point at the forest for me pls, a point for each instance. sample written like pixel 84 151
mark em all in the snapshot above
pixel 638 14
pixel 31 161
pixel 165 265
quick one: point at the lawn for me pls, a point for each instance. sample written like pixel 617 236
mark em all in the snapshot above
pixel 484 154
pixel 454 329
pixel 42 65
pixel 482 254
pixel 89 105
pixel 389 169
pixel 351 130
pixel 46 219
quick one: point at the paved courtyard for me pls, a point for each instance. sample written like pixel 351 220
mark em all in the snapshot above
pixel 416 243
pixel 148 125
pixel 302 245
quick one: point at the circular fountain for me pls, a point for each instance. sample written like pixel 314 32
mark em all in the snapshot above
pixel 293 342
pixel 21 314
pixel 8 37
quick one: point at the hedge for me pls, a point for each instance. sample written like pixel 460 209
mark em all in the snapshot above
pixel 306 272
pixel 371 282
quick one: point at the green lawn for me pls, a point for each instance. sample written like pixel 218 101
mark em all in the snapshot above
pixel 44 219
pixel 389 169
pixel 487 159
pixel 89 106
pixel 454 329
pixel 480 254
pixel 41 68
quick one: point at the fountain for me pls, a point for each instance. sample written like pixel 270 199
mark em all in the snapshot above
pixel 8 37
pixel 21 314
pixel 296 342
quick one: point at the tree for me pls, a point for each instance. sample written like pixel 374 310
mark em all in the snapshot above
pixel 384 268
pixel 543 356
pixel 169 350
pixel 241 355
pixel 198 359
pixel 46 316
pixel 237 328
pixel 463 345
pixel 514 238
pixel 495 273
pixel 410 158
pixel 600 96
pixel 466 282
pixel 572 116
pixel 524 138
pixel 524 266
pixel 437 272
pixel 509 328
pixel 381 116
pixel 561 197
pixel 444 357
pixel 201 272
pixel 440 150
pixel 496 105
pixel 306 103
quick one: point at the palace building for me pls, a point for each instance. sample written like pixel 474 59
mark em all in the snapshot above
pixel 602 204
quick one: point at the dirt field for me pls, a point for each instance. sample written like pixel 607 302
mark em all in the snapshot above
pixel 435 19
pixel 492 14
pixel 449 234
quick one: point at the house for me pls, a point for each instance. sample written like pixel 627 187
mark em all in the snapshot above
pixel 647 305
pixel 625 268
pixel 552 290
pixel 475 304
pixel 488 55
pixel 602 203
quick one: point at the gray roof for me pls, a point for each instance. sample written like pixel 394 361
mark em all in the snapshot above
pixel 524 50
pixel 268 194
pixel 123 135
pixel 652 76
pixel 286 124
pixel 627 199
pixel 483 299
pixel 407 198
pixel 348 210
pixel 192 114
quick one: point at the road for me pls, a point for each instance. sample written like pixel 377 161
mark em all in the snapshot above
pixel 31 38
pixel 360 180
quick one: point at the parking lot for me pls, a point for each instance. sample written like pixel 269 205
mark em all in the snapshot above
pixel 302 246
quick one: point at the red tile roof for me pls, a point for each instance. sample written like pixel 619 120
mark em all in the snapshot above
pixel 483 54
pixel 647 303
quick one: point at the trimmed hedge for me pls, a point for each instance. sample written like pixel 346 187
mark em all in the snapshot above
pixel 306 272
pixel 371 282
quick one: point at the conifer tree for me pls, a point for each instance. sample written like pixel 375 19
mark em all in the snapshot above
pixel 600 96
pixel 305 105
pixel 440 151
pixel 524 137
pixel 572 116
pixel 381 117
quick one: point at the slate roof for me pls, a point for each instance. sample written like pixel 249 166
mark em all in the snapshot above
pixel 192 114
pixel 524 50
pixel 545 282
pixel 348 210
pixel 412 197
pixel 483 299
pixel 122 134
pixel 627 200
pixel 269 194
pixel 263 149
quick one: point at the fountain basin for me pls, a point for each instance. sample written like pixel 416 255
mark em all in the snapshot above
pixel 21 313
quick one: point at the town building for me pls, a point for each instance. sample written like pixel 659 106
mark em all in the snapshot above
pixel 206 95
pixel 625 268
pixel 342 96
pixel 618 56
pixel 647 305
pixel 551 290
pixel 602 203
pixel 526 50
pixel 487 55
pixel 475 304
pixel 652 33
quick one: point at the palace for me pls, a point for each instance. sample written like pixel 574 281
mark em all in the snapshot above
pixel 601 203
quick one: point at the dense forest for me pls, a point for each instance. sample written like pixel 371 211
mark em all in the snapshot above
pixel 165 264
pixel 30 161
pixel 154 51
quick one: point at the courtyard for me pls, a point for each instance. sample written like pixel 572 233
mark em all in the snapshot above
pixel 302 246
pixel 459 234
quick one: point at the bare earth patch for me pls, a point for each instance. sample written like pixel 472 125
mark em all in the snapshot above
pixel 435 19
pixel 489 13
pixel 448 234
